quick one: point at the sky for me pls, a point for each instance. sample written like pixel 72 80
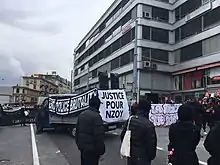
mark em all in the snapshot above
pixel 39 36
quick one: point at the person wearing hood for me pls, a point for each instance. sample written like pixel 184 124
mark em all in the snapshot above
pixel 90 133
pixel 184 137
pixel 143 136
pixel 211 143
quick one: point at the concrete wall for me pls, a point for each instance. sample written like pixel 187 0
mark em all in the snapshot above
pixel 158 81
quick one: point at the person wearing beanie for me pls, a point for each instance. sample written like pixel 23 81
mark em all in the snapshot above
pixel 211 143
pixel 184 137
pixel 90 133
pixel 143 136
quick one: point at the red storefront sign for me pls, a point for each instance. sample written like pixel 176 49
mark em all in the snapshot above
pixel 216 78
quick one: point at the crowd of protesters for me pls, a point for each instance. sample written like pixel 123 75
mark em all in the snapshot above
pixel 184 135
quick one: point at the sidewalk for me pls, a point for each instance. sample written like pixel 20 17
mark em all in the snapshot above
pixel 15 146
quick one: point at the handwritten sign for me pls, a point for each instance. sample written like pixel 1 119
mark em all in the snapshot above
pixel 164 114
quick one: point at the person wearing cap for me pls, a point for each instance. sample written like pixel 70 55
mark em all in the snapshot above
pixel 184 137
pixel 211 143
pixel 143 136
pixel 90 133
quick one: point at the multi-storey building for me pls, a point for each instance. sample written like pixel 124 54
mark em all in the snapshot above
pixel 24 94
pixel 64 86
pixel 40 84
pixel 179 38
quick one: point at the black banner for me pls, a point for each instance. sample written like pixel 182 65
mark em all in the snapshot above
pixel 70 104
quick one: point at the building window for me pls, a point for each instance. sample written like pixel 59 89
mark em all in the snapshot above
pixel 177 35
pixel 17 90
pixel 126 18
pixel 145 54
pixel 160 14
pixel 82 67
pixel 191 28
pixel 177 13
pixel 189 6
pixel 193 80
pixel 77 82
pixel 213 76
pixel 178 82
pixel 108 51
pixel 212 18
pixel 160 35
pixel 115 63
pixel 146 32
pixel 23 91
pixel 35 87
pixel 125 58
pixel 116 45
pixel 159 55
pixel 156 55
pixel 75 73
pixel 191 52
pixel 126 38
pixel 94 73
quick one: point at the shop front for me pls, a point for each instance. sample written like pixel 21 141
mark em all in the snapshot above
pixel 189 85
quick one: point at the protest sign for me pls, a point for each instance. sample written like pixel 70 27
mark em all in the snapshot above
pixel 114 107
pixel 164 114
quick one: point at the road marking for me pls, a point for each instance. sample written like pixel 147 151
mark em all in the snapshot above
pixel 34 147
pixel 202 163
pixel 114 133
pixel 159 148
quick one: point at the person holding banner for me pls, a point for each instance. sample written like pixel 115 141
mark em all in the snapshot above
pixel 143 138
pixel 90 133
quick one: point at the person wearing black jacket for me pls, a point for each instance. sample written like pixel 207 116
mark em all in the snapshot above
pixel 23 117
pixel 90 134
pixel 184 137
pixel 197 114
pixel 211 143
pixel 143 136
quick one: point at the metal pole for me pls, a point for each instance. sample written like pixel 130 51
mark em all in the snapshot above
pixel 71 87
pixel 135 63
pixel 88 79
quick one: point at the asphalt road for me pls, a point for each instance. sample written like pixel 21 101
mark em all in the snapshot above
pixel 56 148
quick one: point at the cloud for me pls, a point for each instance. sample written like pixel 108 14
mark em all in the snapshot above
pixel 10 69
pixel 40 36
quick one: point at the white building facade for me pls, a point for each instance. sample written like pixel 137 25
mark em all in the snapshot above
pixel 180 39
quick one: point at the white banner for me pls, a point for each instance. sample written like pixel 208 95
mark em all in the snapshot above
pixel 114 107
pixel 164 114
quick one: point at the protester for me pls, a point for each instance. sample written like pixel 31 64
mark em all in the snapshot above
pixel 39 120
pixel 211 143
pixel 143 136
pixel 23 116
pixel 134 109
pixel 197 113
pixel 90 134
pixel 184 137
